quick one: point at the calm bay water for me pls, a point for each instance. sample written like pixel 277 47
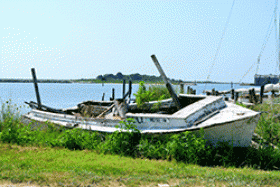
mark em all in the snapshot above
pixel 59 95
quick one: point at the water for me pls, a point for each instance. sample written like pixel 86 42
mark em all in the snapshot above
pixel 62 95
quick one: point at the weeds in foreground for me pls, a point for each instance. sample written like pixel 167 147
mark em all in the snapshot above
pixel 183 147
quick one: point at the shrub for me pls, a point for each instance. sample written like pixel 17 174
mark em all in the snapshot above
pixel 154 93
pixel 124 141
pixel 187 147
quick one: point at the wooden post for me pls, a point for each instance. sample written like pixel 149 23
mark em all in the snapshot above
pixel 255 99
pixel 236 97
pixel 250 96
pixel 182 90
pixel 217 93
pixel 261 94
pixel 188 90
pixel 123 87
pixel 194 92
pixel 167 83
pixel 191 91
pixel 130 89
pixel 232 94
pixel 272 93
pixel 36 87
pixel 113 94
pixel 213 91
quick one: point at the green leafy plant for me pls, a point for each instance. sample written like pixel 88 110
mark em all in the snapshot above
pixel 154 93
pixel 125 140
pixel 186 147
pixel 143 96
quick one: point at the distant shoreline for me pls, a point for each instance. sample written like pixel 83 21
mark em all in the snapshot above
pixel 91 81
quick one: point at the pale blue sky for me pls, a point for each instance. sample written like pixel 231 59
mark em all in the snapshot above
pixel 82 39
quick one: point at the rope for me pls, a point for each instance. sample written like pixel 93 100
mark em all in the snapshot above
pixel 246 73
pixel 219 46
pixel 276 34
pixel 269 30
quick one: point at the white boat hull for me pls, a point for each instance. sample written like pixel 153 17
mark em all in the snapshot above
pixel 228 123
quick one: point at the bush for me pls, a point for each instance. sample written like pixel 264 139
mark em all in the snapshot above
pixel 124 141
pixel 186 147
pixel 154 93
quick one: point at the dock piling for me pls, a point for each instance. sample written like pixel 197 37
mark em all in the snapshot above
pixel 36 87
pixel 123 87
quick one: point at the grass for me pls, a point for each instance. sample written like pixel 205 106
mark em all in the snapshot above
pixel 50 155
pixel 61 167
pixel 269 124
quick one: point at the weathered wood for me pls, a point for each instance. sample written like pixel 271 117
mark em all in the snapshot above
pixel 261 94
pixel 232 94
pixel 182 90
pixel 130 89
pixel 100 115
pixel 213 91
pixel 35 105
pixel 113 94
pixel 123 87
pixel 194 92
pixel 120 108
pixel 236 97
pixel 272 93
pixel 188 90
pixel 254 97
pixel 36 87
pixel 250 96
pixel 167 83
pixel 103 96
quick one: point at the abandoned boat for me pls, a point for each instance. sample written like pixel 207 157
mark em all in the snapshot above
pixel 222 121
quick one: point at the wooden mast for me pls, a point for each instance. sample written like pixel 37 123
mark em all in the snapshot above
pixel 167 83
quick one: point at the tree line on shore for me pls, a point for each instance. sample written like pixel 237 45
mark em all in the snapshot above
pixel 107 78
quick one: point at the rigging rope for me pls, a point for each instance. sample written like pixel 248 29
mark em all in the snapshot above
pixel 276 33
pixel 268 34
pixel 247 72
pixel 269 30
pixel 220 43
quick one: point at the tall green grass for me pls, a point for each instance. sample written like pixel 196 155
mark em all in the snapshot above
pixel 183 147
pixel 269 124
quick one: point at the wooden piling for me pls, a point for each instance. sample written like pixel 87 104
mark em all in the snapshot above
pixel 130 89
pixel 123 87
pixel 182 89
pixel 188 90
pixel 236 97
pixel 272 93
pixel 250 96
pixel 113 94
pixel 217 93
pixel 194 92
pixel 232 94
pixel 261 94
pixel 254 97
pixel 36 87
pixel 213 91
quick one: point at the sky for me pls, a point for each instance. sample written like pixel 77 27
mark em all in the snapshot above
pixel 191 39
